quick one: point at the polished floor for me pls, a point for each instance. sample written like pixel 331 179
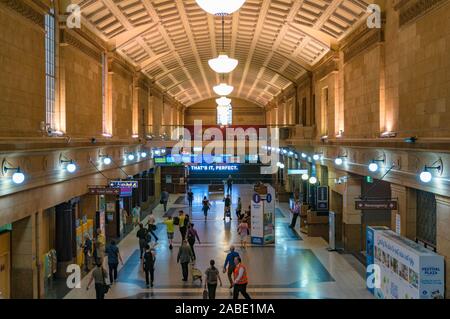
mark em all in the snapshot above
pixel 295 267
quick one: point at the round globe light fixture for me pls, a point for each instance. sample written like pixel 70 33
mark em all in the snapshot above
pixel 107 160
pixel 313 180
pixel 223 64
pixel 316 157
pixel 220 7
pixel 130 157
pixel 143 154
pixel 373 167
pixel 338 161
pixel 18 177
pixel 426 177
pixel 223 101
pixel 223 89
pixel 305 177
pixel 71 168
pixel 304 155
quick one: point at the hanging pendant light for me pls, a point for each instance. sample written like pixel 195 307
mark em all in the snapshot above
pixel 220 7
pixel 223 101
pixel 223 64
pixel 223 89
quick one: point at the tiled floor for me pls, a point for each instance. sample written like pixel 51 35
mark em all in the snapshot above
pixel 295 267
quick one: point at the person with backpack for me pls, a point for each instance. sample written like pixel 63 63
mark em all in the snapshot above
pixel 191 236
pixel 99 278
pixel 113 260
pixel 169 222
pixel 87 251
pixel 142 236
pixel 190 197
pixel 205 207
pixel 149 265
pixel 240 279
pixel 227 210
pixel 212 275
pixel 183 222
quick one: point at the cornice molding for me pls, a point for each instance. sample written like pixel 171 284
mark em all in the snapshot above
pixel 25 11
pixel 325 69
pixel 365 42
pixel 66 38
pixel 412 10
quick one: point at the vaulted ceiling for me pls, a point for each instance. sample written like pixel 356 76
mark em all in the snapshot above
pixel 171 41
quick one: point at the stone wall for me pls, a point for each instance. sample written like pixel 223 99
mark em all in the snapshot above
pixel 22 74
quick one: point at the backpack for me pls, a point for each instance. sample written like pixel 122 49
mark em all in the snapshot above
pixel 211 275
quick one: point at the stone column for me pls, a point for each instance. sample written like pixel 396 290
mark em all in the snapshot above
pixel 23 261
pixel 351 218
pixel 65 237
pixel 443 235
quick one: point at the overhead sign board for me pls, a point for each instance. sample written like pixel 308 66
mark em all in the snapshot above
pixel 123 184
pixel 297 171
pixel 103 191
pixel 214 168
pixel 376 205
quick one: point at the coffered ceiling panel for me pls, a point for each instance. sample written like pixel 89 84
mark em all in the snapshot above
pixel 171 41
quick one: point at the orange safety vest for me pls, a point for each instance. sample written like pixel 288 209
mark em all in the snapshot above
pixel 244 279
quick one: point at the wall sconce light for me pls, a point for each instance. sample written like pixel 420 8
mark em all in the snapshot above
pixel 340 134
pixel 388 134
pixel 318 156
pixel 324 138
pixel 304 155
pixel 134 136
pixel 313 180
pixel 18 177
pixel 411 140
pixel 373 166
pixel 305 177
pixel 107 135
pixel 340 160
pixel 130 156
pixel 106 159
pixel 143 154
pixel 426 176
pixel 71 167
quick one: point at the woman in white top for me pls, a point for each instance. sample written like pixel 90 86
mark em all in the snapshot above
pixel 243 232
pixel 151 225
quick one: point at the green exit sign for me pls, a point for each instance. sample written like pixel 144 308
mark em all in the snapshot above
pixel 369 179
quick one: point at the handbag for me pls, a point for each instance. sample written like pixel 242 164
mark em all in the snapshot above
pixel 205 294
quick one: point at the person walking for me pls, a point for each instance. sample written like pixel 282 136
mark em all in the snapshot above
pixel 87 251
pixel 136 213
pixel 170 230
pixel 113 260
pixel 240 280
pixel 99 278
pixel 190 197
pixel 151 226
pixel 211 277
pixel 295 213
pixel 164 199
pixel 191 236
pixel 142 236
pixel 239 209
pixel 229 184
pixel 184 257
pixel 100 244
pixel 183 222
pixel 205 207
pixel 229 261
pixel 243 232
pixel 227 201
pixel 149 265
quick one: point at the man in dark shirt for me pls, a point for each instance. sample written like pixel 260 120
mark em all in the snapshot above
pixel 229 184
pixel 227 201
pixel 142 235
pixel 113 260
pixel 190 196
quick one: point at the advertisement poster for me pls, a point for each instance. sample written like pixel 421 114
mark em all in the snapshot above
pixel 407 270
pixel 269 216
pixel 257 227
